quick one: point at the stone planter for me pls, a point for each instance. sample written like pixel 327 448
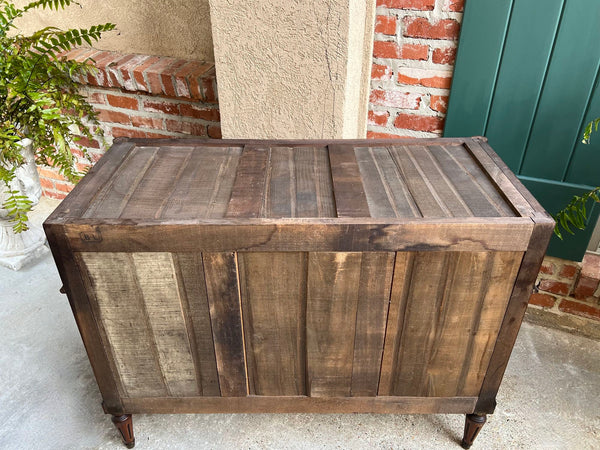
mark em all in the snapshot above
pixel 18 249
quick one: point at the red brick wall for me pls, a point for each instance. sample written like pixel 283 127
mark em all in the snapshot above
pixel 413 59
pixel 567 287
pixel 143 96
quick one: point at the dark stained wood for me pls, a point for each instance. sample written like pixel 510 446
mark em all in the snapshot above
pixel 85 191
pixel 299 276
pixel 273 292
pixel 114 195
pixel 291 404
pixel 196 312
pixel 350 199
pixel 473 425
pixel 82 311
pixel 517 305
pixel 205 185
pixel 493 234
pixel 150 197
pixel 332 301
pixel 374 287
pixel 467 186
pixel 247 197
pixel 220 272
pixel 124 424
pixel 385 189
pixel 503 184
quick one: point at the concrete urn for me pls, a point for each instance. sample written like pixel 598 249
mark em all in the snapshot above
pixel 18 249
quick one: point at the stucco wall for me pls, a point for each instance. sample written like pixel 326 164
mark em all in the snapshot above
pixel 178 28
pixel 283 67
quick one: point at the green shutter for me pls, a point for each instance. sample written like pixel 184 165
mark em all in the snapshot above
pixel 526 77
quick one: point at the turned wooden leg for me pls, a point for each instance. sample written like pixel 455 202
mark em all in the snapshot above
pixel 125 426
pixel 473 423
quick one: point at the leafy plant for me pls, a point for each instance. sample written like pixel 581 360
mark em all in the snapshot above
pixel 39 98
pixel 575 213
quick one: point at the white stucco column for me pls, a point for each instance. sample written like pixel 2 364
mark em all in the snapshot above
pixel 293 68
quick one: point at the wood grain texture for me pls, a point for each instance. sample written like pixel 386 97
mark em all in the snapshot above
pixel 375 283
pixel 350 198
pixel 197 315
pixel 247 196
pixel 273 292
pixel 222 289
pixel 123 316
pixel 84 192
pixel 204 186
pixel 274 182
pixel 157 281
pixel 81 301
pixel 332 301
pixel 114 195
pixel 492 234
pixel 499 178
pixel 445 313
pixel 290 404
pixel 385 189
pixel 515 311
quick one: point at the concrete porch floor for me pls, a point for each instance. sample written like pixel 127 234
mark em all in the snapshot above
pixel 550 397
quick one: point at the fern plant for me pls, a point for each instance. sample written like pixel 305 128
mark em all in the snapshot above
pixel 39 98
pixel 574 215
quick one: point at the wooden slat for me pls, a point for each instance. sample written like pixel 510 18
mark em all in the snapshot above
pixel 425 298
pixel 439 181
pixel 484 182
pixel 196 311
pixel 332 300
pixel 467 184
pixel 504 185
pixel 84 192
pixel 314 192
pixel 289 404
pixel 386 192
pixel 205 185
pixel 155 188
pixel 496 234
pixel 494 296
pixel 372 310
pixel 248 192
pixel 220 271
pixel 123 316
pixel 157 282
pixel 402 276
pixel 273 292
pixel 515 311
pixel 420 188
pixel 113 197
pixel 280 192
pixel 350 198
pixel 538 209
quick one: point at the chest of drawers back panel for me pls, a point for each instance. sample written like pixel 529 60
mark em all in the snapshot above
pixel 382 276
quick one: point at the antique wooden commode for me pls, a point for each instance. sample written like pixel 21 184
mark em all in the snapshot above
pixel 299 276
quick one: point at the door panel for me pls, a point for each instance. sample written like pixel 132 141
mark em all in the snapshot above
pixel 535 101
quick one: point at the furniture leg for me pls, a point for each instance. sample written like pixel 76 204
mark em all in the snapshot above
pixel 125 426
pixel 473 423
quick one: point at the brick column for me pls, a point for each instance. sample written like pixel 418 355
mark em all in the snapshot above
pixel 293 69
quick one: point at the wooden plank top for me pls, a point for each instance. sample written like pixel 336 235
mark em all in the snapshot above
pixel 182 180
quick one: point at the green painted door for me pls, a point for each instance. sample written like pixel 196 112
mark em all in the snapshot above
pixel 526 77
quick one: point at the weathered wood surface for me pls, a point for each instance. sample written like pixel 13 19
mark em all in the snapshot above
pixel 273 293
pixel 291 404
pixel 493 234
pixel 445 311
pixel 299 276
